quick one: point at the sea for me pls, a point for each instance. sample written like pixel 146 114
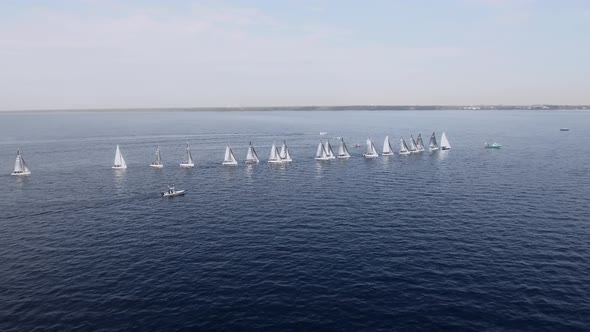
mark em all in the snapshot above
pixel 469 239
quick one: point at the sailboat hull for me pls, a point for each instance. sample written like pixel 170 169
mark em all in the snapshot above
pixel 322 158
pixel 370 156
pixel 156 166
pixel 387 154
pixel 230 163
pixel 20 173
pixel 433 149
pixel 251 162
pixel 275 161
pixel 343 157
pixel 445 149
pixel 404 153
pixel 187 165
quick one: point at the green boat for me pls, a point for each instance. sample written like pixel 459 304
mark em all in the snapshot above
pixel 492 146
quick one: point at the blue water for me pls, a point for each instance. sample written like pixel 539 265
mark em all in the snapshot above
pixel 469 239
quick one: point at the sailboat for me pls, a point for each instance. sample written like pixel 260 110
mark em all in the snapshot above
pixel 20 167
pixel 387 150
pixel 321 153
pixel 229 158
pixel 285 156
pixel 343 150
pixel 119 160
pixel 329 151
pixel 158 162
pixel 371 151
pixel 188 160
pixel 403 147
pixel 433 145
pixel 413 147
pixel 252 156
pixel 444 142
pixel 275 156
pixel 419 143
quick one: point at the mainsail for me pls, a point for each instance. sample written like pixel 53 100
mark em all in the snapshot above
pixel 285 152
pixel 413 147
pixel 158 162
pixel 119 160
pixel 252 156
pixel 371 152
pixel 20 166
pixel 387 150
pixel 444 142
pixel 433 145
pixel 229 158
pixel 275 156
pixel 419 143
pixel 403 147
pixel 329 151
pixel 321 153
pixel 343 150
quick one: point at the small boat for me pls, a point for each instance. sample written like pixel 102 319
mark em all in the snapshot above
pixel 403 147
pixel 188 162
pixel 252 156
pixel 284 154
pixel 171 192
pixel 343 150
pixel 20 167
pixel 413 147
pixel 371 152
pixel 492 146
pixel 387 150
pixel 321 153
pixel 158 162
pixel 329 150
pixel 322 133
pixel 564 129
pixel 444 142
pixel 275 156
pixel 229 158
pixel 433 145
pixel 419 143
pixel 119 160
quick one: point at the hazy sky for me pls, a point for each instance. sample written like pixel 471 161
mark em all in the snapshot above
pixel 182 53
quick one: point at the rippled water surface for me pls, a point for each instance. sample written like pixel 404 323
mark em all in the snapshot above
pixel 469 239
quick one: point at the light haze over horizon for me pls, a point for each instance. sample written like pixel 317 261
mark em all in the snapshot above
pixel 147 54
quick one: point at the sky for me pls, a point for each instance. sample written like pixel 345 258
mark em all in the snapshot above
pixel 67 54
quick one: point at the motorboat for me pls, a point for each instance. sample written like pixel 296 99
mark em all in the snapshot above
pixel 171 192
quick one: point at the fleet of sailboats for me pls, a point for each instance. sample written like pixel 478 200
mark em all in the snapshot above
pixel 119 162
pixel 370 152
pixel 229 159
pixel 188 161
pixel 158 162
pixel 387 150
pixel 252 156
pixel 20 166
pixel 343 150
pixel 324 152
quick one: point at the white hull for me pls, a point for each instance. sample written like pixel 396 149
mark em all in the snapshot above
pixel 156 166
pixel 183 165
pixel 20 173
pixel 322 158
pixel 251 162
pixel 405 153
pixel 343 157
pixel 370 156
pixel 176 193
pixel 387 154
pixel 275 161
pixel 433 149
pixel 230 163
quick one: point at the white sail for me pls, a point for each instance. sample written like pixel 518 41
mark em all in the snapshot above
pixel 387 150
pixel 343 150
pixel 329 151
pixel 403 147
pixel 321 153
pixel 419 143
pixel 188 159
pixel 433 145
pixel 444 142
pixel 252 156
pixel 275 156
pixel 371 152
pixel 119 162
pixel 158 162
pixel 229 158
pixel 285 156
pixel 20 166
pixel 413 147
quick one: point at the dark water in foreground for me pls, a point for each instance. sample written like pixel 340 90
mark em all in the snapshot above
pixel 470 239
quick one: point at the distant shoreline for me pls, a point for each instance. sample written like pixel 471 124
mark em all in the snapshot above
pixel 544 107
